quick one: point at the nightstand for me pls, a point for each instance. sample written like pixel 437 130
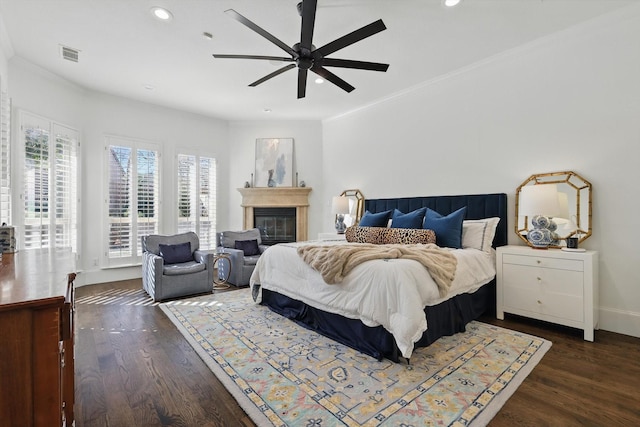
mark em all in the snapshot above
pixel 551 285
pixel 331 236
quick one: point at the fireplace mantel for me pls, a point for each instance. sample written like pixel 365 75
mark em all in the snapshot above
pixel 277 197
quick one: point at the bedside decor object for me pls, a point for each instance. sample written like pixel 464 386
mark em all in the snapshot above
pixel 540 203
pixel 274 162
pixel 573 218
pixel 340 207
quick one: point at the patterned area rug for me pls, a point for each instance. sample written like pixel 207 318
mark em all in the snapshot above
pixel 285 375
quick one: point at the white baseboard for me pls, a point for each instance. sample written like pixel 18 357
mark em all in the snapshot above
pixel 92 277
pixel 620 321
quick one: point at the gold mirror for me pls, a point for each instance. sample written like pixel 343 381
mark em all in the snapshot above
pixel 356 207
pixel 574 196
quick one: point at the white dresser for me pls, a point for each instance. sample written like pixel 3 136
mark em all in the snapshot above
pixel 551 285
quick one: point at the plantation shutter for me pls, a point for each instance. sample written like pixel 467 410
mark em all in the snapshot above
pixel 49 184
pixel 197 197
pixel 5 162
pixel 133 198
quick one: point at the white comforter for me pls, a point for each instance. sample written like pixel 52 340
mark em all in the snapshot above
pixel 391 293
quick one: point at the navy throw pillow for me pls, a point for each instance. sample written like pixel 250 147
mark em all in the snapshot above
pixel 174 254
pixel 379 219
pixel 412 219
pixel 249 247
pixel 448 228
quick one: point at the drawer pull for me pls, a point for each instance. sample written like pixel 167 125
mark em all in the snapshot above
pixel 538 261
pixel 539 302
pixel 539 279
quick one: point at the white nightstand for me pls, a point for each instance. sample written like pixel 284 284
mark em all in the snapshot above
pixel 331 236
pixel 552 285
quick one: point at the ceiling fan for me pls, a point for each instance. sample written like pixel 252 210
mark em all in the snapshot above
pixel 304 54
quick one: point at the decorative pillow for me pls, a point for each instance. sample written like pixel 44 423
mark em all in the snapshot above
pixel 448 228
pixel 387 236
pixel 379 219
pixel 249 247
pixel 479 233
pixel 412 219
pixel 175 254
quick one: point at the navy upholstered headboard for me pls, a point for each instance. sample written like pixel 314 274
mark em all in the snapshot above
pixel 478 206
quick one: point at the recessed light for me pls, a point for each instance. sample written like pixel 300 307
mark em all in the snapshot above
pixel 149 87
pixel 161 13
pixel 319 81
pixel 267 110
pixel 451 3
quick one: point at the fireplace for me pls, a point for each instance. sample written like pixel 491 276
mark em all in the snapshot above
pixel 288 228
pixel 276 225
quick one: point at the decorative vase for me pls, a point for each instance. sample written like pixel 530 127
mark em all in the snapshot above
pixel 543 233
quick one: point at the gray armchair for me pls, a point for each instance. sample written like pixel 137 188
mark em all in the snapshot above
pixel 243 253
pixel 173 266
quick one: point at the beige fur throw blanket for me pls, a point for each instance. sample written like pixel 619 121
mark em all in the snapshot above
pixel 335 262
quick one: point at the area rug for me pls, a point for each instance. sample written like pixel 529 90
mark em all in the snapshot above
pixel 283 374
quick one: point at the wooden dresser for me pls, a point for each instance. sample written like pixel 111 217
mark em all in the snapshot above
pixel 36 338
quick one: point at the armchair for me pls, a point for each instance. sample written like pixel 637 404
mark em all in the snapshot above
pixel 173 266
pixel 244 249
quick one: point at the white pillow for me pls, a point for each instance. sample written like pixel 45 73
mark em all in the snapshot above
pixel 479 233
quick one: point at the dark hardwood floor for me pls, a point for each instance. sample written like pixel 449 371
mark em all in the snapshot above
pixel 133 368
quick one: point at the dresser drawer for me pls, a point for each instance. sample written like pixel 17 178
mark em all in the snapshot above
pixel 539 301
pixel 565 282
pixel 541 261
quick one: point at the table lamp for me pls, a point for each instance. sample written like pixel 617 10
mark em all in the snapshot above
pixel 540 203
pixel 340 207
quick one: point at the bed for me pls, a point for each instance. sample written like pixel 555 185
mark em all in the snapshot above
pixel 289 286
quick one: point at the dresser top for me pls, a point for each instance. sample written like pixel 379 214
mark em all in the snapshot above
pixel 35 277
pixel 552 252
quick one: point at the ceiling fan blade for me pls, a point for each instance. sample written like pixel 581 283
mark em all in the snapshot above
pixel 266 58
pixel 328 75
pixel 351 38
pixel 275 73
pixel 235 15
pixel 308 22
pixel 302 83
pixel 360 65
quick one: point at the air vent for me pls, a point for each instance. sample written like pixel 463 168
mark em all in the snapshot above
pixel 69 53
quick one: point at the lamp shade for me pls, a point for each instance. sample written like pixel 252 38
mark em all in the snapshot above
pixel 339 205
pixel 539 200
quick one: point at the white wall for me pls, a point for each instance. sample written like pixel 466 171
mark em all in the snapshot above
pixel 96 114
pixel 569 102
pixel 307 146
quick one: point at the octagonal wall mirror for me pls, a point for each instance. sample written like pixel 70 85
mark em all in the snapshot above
pixel 574 196
pixel 356 207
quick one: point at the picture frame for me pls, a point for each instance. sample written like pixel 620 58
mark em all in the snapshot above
pixel 274 162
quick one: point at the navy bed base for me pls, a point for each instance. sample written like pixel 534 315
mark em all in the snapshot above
pixel 446 318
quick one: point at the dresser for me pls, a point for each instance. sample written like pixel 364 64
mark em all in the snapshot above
pixel 552 285
pixel 36 338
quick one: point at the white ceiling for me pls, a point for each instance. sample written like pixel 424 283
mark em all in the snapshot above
pixel 123 48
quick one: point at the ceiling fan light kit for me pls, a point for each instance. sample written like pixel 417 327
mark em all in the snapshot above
pixel 305 56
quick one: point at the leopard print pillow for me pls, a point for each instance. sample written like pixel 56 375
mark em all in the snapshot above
pixel 386 236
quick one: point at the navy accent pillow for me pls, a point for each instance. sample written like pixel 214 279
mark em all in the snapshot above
pixel 174 254
pixel 448 228
pixel 249 247
pixel 379 219
pixel 412 219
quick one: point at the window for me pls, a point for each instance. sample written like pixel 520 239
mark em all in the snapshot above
pixel 197 197
pixel 5 163
pixel 49 183
pixel 133 204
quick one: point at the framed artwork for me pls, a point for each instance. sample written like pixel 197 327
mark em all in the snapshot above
pixel 274 162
